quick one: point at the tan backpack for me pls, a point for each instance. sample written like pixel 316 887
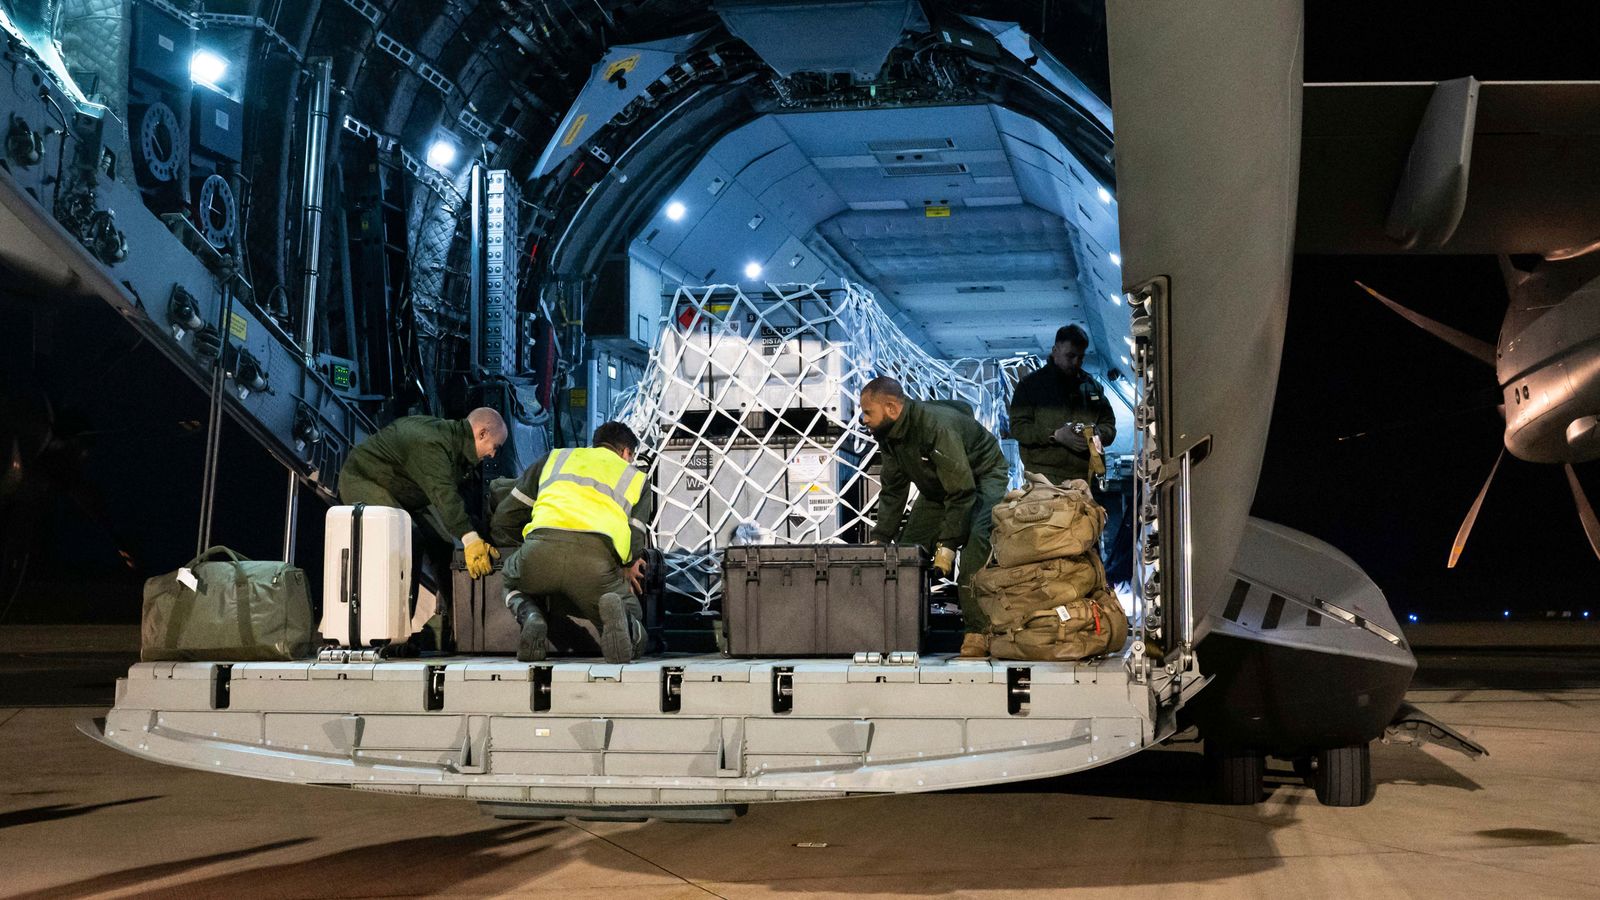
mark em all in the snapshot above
pixel 1043 521
pixel 1076 629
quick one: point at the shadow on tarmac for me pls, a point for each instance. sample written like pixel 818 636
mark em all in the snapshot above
pixel 59 811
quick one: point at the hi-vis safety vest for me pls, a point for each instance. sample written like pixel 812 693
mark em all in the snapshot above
pixel 588 489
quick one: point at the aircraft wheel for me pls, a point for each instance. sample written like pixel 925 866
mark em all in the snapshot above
pixel 1343 776
pixel 1237 774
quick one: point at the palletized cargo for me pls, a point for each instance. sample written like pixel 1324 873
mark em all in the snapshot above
pixel 366 575
pixel 824 599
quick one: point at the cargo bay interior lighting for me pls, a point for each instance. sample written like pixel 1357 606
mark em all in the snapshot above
pixel 676 211
pixel 752 270
pixel 207 68
pixel 441 153
pixel 1116 260
pixel 1105 195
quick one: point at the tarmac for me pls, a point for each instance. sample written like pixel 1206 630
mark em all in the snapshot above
pixel 80 820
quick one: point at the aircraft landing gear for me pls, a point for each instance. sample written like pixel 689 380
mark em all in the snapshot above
pixel 1236 774
pixel 1343 776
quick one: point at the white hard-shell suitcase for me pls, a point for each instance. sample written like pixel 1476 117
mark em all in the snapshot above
pixel 366 575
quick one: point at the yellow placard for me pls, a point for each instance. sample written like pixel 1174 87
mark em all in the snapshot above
pixel 626 64
pixel 936 212
pixel 238 326
pixel 575 130
pixel 579 397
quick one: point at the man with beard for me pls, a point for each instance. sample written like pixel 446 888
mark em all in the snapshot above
pixel 960 475
pixel 1051 409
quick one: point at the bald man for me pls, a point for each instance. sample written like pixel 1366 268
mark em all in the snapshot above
pixel 418 463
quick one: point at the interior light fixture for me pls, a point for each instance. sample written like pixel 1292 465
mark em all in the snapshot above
pixel 1115 299
pixel 676 211
pixel 752 270
pixel 207 68
pixel 1105 195
pixel 1116 260
pixel 441 153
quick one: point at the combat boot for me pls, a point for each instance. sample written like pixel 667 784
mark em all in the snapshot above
pixel 975 645
pixel 530 646
pixel 620 632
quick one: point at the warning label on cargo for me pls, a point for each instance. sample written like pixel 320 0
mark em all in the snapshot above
pixel 808 466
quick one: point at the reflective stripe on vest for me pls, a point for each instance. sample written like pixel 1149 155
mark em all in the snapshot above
pixel 589 489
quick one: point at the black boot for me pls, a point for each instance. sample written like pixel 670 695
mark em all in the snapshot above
pixel 621 635
pixel 530 646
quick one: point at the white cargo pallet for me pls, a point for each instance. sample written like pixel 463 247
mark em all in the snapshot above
pixel 677 731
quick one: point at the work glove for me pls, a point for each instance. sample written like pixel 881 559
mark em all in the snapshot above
pixel 944 561
pixel 1072 440
pixel 480 555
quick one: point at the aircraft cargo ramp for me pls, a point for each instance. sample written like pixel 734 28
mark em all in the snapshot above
pixel 687 732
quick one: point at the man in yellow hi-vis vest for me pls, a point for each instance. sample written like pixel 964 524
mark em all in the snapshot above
pixel 584 529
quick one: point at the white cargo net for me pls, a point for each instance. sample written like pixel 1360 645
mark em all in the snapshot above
pixel 748 421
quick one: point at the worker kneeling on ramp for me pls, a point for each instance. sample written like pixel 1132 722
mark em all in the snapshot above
pixel 582 531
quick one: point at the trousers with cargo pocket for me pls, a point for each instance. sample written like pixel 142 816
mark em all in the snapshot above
pixel 572 570
pixel 922 527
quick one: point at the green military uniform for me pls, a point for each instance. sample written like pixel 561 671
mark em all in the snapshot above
pixel 960 475
pixel 416 463
pixel 1043 402
pixel 570 570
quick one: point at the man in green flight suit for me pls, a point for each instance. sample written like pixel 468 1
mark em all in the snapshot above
pixel 960 475
pixel 1052 407
pixel 417 464
pixel 581 512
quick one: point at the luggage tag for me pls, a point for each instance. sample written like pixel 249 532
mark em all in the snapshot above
pixel 188 580
pixel 1062 614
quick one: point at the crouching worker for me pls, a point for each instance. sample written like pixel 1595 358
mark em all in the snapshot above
pixel 584 529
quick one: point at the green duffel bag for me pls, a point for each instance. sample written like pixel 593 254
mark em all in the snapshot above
pixel 231 609
pixel 1041 521
pixel 1077 629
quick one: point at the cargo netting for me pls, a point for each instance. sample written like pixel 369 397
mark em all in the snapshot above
pixel 748 421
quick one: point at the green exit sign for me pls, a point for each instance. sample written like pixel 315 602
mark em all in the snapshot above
pixel 341 376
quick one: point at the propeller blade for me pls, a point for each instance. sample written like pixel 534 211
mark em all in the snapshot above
pixel 1482 351
pixel 1472 514
pixel 1591 525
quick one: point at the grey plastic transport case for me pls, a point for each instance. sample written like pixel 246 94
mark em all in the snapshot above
pixel 824 599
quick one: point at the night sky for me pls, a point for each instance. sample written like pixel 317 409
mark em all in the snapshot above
pixel 1380 439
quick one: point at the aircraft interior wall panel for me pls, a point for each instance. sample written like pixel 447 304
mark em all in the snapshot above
pixel 748 143
pixel 722 242
pixel 142 286
pixel 774 166
pixel 802 199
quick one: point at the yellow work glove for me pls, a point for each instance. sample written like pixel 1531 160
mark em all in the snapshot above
pixel 944 562
pixel 480 555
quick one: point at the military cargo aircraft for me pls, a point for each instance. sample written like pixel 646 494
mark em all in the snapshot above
pixel 441 207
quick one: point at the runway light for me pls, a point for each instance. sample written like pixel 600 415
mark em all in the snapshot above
pixel 441 153
pixel 676 211
pixel 1105 195
pixel 1506 614
pixel 207 68
pixel 1412 617
pixel 1116 260
pixel 752 270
